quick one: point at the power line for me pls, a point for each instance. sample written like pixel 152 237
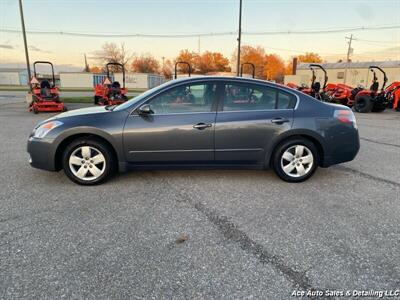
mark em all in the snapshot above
pixel 203 34
pixel 378 42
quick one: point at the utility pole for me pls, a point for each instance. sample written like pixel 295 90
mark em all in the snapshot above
pixel 198 46
pixel 239 39
pixel 28 67
pixel 87 69
pixel 349 52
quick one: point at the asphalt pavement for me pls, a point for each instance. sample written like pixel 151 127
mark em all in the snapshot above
pixel 198 234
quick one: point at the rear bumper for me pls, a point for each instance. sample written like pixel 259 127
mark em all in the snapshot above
pixel 41 154
pixel 343 148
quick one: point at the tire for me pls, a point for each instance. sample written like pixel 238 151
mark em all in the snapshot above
pixel 363 104
pixel 289 167
pixel 378 108
pixel 64 108
pixel 82 169
pixel 96 100
pixel 35 110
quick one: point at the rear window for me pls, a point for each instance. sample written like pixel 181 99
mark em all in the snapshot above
pixel 286 101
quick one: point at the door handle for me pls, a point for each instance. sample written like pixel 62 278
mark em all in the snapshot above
pixel 201 126
pixel 279 120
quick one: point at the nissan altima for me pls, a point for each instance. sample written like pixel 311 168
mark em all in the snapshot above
pixel 211 122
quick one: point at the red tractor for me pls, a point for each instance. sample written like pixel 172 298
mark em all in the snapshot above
pixel 44 95
pixel 341 93
pixel 315 90
pixel 374 100
pixel 393 94
pixel 111 93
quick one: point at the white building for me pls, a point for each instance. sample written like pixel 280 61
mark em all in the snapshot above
pixel 89 80
pixel 81 80
pixel 13 76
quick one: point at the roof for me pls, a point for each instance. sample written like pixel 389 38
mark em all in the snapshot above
pixel 230 78
pixel 354 65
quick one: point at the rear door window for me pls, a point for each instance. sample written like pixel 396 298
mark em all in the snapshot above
pixel 247 96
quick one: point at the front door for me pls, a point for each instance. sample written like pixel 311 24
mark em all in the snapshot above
pixel 178 129
pixel 250 117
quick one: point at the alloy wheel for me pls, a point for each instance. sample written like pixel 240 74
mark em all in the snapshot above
pixel 87 163
pixel 297 161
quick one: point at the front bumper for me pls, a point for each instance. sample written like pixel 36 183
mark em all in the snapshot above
pixel 42 154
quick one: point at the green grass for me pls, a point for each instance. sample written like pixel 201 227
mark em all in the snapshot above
pixel 77 99
pixel 13 88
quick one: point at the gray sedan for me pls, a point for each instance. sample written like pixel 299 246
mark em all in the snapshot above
pixel 211 122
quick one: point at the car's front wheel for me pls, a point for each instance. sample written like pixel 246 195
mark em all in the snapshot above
pixel 88 161
pixel 295 160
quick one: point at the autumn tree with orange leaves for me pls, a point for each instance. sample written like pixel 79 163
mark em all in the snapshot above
pixel 145 64
pixel 267 66
pixel 211 62
pixel 167 69
pixel 274 68
pixel 96 70
pixel 254 55
pixel 309 57
pixel 204 63
pixel 185 56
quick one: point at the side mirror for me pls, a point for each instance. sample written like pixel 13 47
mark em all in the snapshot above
pixel 145 110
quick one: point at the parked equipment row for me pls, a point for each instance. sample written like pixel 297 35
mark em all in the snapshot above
pixel 375 99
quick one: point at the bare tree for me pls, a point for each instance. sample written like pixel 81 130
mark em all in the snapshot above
pixel 112 53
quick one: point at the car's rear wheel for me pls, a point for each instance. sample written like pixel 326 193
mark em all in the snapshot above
pixel 88 161
pixel 295 160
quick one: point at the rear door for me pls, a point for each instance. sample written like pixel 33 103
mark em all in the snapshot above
pixel 180 128
pixel 249 117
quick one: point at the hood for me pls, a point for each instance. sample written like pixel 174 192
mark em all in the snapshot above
pixel 82 111
pixel 76 112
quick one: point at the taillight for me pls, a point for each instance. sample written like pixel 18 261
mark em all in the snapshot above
pixel 345 116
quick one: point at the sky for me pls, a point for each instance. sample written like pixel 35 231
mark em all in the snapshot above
pixel 198 16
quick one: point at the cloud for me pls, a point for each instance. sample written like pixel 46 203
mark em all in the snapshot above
pixel 6 46
pixel 36 49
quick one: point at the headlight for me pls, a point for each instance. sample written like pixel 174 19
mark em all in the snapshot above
pixel 43 129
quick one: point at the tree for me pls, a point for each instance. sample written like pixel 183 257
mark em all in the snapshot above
pixel 112 53
pixel 96 69
pixel 211 62
pixel 167 69
pixel 185 56
pixel 310 57
pixel 289 67
pixel 254 55
pixel 145 64
pixel 274 67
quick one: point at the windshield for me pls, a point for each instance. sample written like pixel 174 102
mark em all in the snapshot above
pixel 141 96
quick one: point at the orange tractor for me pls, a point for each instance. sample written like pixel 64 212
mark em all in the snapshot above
pixel 374 100
pixel 341 93
pixel 111 93
pixel 316 90
pixel 44 95
pixel 393 94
